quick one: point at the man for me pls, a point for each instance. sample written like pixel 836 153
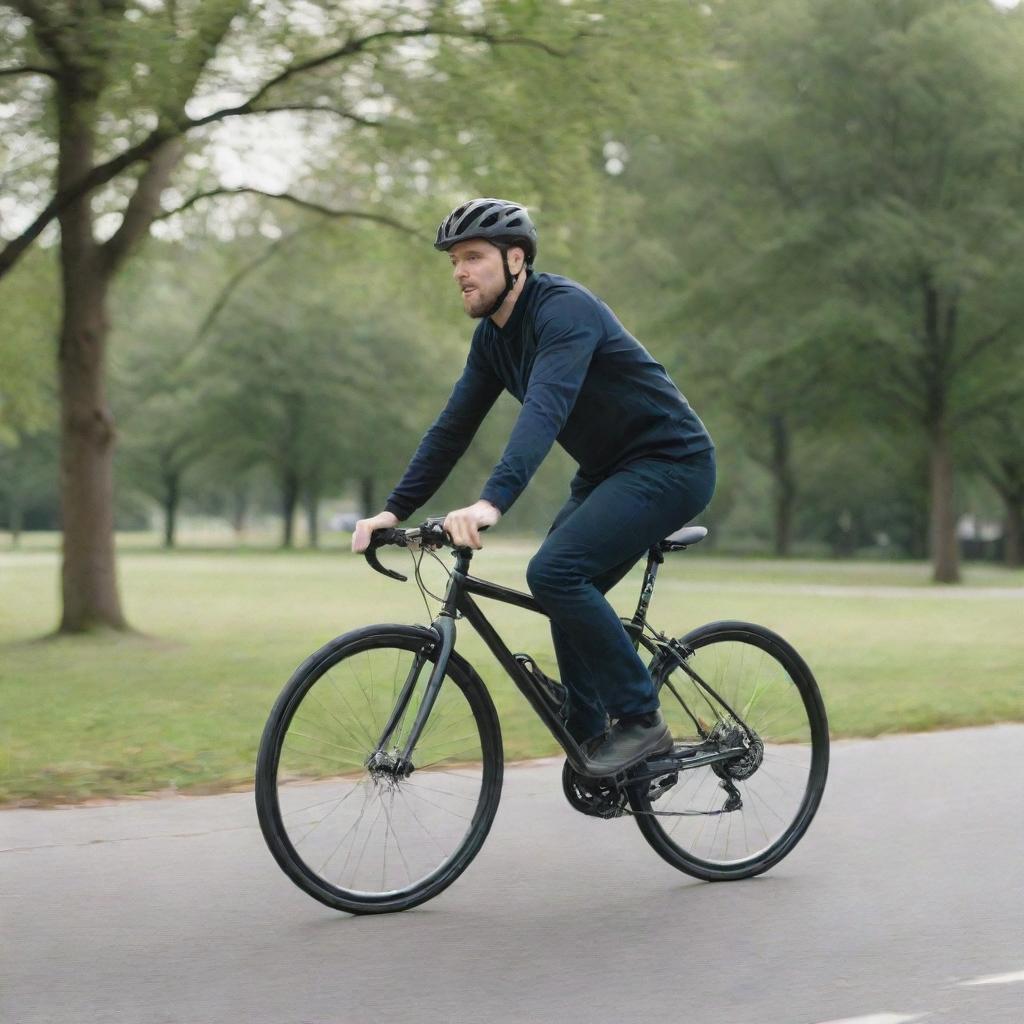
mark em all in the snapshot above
pixel 646 462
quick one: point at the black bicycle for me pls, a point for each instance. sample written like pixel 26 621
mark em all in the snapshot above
pixel 380 767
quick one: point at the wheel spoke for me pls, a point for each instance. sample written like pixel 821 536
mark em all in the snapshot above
pixel 405 834
pixel 775 709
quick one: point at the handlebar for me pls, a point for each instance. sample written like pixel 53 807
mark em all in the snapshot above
pixel 431 534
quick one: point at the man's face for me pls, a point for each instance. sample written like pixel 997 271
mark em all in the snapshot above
pixel 477 270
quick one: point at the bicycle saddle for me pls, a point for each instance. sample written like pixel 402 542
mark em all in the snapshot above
pixel 682 539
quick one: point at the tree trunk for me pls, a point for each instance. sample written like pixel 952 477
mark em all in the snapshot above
pixel 366 488
pixel 944 551
pixel 920 513
pixel 172 495
pixel 785 485
pixel 239 511
pixel 15 512
pixel 313 516
pixel 938 333
pixel 289 499
pixel 1014 525
pixel 89 579
pixel 86 460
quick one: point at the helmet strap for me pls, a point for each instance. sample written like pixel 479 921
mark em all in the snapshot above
pixel 510 282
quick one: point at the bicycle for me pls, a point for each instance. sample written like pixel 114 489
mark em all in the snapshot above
pixel 360 754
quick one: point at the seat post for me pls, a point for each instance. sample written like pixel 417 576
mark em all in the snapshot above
pixel 636 625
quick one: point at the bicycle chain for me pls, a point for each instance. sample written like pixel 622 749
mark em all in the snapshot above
pixel 733 803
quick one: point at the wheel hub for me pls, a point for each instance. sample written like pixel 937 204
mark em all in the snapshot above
pixel 729 734
pixel 388 766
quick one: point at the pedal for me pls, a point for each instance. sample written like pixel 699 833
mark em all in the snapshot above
pixel 660 786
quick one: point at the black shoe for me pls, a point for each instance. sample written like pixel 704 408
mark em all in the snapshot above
pixel 631 740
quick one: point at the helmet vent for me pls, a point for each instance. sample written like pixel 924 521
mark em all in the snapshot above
pixel 475 211
pixel 495 220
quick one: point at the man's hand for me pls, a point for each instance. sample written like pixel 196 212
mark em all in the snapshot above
pixel 464 523
pixel 365 527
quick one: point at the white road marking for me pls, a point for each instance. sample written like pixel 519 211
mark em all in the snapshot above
pixel 880 1018
pixel 995 979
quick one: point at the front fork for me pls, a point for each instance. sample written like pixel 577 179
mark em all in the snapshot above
pixel 444 628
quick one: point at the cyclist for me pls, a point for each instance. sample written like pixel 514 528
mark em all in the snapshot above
pixel 646 462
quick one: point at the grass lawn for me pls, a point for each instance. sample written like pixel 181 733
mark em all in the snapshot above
pixel 182 705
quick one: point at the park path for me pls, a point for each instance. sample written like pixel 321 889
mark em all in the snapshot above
pixel 903 903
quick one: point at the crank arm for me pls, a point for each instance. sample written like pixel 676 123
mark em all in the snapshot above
pixel 682 759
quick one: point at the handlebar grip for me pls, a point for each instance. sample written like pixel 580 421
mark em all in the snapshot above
pixel 432 533
pixel 379 538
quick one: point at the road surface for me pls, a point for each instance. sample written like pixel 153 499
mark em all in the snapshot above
pixel 904 903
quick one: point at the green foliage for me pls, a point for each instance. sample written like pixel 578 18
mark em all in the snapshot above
pixel 829 229
pixel 29 302
pixel 769 195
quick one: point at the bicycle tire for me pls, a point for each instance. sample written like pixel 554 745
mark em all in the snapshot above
pixel 343 652
pixel 790 746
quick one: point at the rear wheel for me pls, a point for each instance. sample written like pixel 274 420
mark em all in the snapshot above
pixel 368 832
pixel 750 690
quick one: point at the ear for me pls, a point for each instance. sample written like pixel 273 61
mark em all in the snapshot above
pixel 516 259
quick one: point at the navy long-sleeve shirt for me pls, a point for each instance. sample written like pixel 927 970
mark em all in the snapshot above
pixel 583 380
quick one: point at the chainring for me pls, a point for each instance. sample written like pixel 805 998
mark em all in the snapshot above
pixel 589 796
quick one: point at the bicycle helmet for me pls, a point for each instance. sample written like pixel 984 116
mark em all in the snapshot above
pixel 498 221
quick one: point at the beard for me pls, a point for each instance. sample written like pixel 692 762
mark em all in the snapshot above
pixel 478 303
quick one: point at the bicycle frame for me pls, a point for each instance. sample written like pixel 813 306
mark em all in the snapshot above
pixel 458 602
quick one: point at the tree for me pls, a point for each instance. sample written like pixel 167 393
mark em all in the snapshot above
pixel 857 170
pixel 314 377
pixel 26 416
pixel 123 90
pixel 27 487
pixel 156 386
pixel 1000 460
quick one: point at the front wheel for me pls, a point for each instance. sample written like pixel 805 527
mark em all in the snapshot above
pixel 348 820
pixel 746 689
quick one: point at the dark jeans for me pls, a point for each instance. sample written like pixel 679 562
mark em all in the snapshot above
pixel 601 532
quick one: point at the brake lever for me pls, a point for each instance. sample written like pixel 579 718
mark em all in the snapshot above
pixel 432 536
pixel 380 538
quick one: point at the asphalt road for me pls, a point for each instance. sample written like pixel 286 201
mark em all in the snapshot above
pixel 904 902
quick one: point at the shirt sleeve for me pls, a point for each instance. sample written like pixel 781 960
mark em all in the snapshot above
pixel 568 330
pixel 444 443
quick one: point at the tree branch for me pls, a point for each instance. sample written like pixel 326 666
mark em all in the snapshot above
pixel 245 109
pixel 98 176
pixel 30 69
pixel 48 31
pixel 173 377
pixel 898 398
pixel 143 205
pixel 359 43
pixel 236 279
pixel 210 23
pixel 994 401
pixel 304 204
pixel 980 344
pixel 353 46
pixel 171 128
